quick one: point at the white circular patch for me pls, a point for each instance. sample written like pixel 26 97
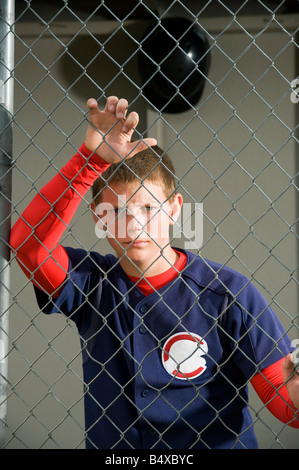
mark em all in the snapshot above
pixel 182 355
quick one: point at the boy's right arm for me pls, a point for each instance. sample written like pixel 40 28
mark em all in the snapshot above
pixel 36 234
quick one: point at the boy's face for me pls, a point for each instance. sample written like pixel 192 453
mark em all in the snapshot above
pixel 137 219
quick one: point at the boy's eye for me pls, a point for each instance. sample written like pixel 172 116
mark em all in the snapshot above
pixel 132 211
pixel 118 210
pixel 115 210
pixel 149 208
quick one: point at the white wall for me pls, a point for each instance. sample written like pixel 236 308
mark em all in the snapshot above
pixel 44 362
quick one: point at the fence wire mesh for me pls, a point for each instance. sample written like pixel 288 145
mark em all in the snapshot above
pixel 233 144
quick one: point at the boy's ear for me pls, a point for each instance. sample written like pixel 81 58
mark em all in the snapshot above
pixel 176 207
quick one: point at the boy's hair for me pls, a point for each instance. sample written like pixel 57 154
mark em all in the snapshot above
pixel 151 164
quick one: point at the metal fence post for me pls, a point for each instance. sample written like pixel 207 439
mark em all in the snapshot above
pixel 7 13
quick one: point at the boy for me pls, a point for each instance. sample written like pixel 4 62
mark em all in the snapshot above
pixel 166 356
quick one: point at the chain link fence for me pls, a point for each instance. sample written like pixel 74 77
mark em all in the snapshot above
pixel 234 147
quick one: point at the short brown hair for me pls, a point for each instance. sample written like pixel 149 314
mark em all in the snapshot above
pixel 151 164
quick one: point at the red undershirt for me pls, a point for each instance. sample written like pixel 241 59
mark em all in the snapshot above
pixel 152 283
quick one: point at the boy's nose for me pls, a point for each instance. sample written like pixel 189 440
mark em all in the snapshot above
pixel 134 225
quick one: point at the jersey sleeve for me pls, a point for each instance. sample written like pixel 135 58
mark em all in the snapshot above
pixel 253 335
pixel 80 294
pixel 36 234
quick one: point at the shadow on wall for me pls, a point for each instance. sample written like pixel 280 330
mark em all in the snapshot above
pixel 96 66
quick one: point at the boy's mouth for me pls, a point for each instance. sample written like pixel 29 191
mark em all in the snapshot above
pixel 136 243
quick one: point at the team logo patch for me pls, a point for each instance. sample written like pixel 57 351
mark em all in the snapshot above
pixel 182 355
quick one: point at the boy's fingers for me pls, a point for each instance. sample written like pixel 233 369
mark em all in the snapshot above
pixel 121 108
pixel 111 104
pixel 288 367
pixel 92 103
pixel 118 107
pixel 131 122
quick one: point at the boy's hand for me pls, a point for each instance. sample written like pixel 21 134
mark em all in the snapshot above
pixel 109 131
pixel 291 379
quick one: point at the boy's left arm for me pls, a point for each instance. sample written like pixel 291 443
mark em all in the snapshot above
pixel 278 387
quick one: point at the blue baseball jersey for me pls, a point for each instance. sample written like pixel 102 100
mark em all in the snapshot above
pixel 168 370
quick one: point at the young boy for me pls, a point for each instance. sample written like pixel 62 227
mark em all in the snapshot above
pixel 169 340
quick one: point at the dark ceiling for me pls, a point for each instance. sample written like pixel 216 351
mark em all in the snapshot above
pixel 30 10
